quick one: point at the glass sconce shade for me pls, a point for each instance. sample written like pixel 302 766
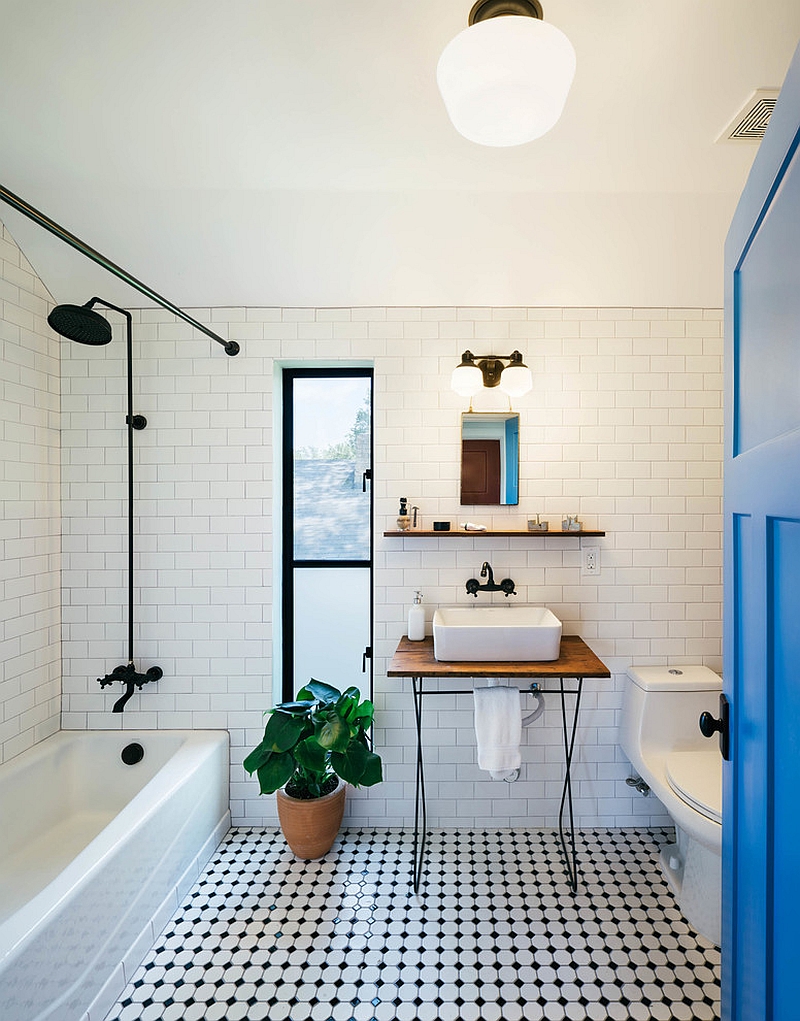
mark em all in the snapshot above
pixel 467 379
pixel 516 379
pixel 504 81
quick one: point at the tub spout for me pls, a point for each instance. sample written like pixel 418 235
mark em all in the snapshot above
pixel 132 679
pixel 119 705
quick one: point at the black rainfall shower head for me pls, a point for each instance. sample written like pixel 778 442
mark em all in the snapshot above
pixel 77 322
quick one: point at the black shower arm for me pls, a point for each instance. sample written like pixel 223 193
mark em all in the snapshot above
pixel 230 346
pixel 107 304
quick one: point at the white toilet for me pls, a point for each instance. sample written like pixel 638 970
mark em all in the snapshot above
pixel 659 733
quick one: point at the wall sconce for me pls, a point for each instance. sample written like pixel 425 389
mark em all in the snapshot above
pixel 469 376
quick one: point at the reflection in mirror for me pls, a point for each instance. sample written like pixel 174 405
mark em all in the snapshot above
pixel 489 458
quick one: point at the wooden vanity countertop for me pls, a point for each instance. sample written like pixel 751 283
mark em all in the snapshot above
pixel 416 659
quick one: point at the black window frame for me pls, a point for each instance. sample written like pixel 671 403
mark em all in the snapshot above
pixel 288 561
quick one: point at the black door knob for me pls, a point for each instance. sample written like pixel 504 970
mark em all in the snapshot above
pixel 709 726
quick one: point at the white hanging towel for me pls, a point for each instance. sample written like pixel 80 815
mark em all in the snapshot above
pixel 498 728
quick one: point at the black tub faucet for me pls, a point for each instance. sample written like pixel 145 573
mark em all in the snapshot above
pixel 506 586
pixel 131 679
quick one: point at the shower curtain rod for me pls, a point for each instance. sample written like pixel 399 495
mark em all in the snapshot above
pixel 230 346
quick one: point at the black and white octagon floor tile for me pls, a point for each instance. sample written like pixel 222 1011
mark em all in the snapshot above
pixel 495 935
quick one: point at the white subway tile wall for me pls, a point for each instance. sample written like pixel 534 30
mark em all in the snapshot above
pixel 623 428
pixel 30 526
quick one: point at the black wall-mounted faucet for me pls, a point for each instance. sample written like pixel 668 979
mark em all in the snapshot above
pixel 506 586
pixel 131 679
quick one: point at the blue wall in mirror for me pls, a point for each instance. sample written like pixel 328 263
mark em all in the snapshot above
pixel 501 428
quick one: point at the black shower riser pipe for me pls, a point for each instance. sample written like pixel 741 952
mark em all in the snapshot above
pixel 81 323
pixel 230 346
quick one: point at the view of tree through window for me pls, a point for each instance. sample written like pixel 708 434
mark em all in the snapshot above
pixel 332 425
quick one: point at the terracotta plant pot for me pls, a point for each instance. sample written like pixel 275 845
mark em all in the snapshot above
pixel 310 827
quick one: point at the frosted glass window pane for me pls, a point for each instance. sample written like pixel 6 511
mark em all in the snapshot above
pixel 331 625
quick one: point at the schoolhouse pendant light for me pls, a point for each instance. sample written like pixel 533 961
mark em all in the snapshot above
pixel 505 79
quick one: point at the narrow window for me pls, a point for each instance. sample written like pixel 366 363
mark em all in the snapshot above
pixel 327 528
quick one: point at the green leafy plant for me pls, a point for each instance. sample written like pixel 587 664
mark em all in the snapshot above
pixel 309 742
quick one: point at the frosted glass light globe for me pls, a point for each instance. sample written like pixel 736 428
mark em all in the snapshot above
pixel 466 380
pixel 504 81
pixel 516 380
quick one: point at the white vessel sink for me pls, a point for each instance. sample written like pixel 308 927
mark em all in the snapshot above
pixel 496 634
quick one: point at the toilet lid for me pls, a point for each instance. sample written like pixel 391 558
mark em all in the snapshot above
pixel 696 777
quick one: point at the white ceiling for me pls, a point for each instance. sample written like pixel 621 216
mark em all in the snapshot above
pixel 256 152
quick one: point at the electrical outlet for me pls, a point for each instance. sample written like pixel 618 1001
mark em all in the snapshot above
pixel 591 560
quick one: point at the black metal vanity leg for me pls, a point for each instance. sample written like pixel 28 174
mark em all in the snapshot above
pixel 570 854
pixel 420 809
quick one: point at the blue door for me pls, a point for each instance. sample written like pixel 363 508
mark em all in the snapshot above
pixel 761 781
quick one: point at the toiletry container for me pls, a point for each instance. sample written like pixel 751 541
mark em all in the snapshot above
pixel 403 518
pixel 416 620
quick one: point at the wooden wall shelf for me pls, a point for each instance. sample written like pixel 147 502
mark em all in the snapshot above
pixel 462 534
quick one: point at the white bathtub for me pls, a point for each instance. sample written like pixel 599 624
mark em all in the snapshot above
pixel 95 856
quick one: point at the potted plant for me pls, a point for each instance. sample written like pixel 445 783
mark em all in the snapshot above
pixel 311 748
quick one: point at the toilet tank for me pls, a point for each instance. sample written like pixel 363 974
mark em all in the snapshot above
pixel 661 708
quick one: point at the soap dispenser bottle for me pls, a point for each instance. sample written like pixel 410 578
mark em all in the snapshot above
pixel 416 620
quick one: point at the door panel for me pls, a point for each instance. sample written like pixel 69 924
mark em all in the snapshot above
pixel 745 816
pixel 480 472
pixel 768 303
pixel 784 665
pixel 761 786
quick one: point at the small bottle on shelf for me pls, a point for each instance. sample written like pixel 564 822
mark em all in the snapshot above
pixel 416 620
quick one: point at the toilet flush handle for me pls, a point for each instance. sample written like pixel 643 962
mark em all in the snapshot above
pixel 709 726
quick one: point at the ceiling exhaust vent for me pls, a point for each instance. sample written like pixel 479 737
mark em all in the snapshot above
pixel 751 122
